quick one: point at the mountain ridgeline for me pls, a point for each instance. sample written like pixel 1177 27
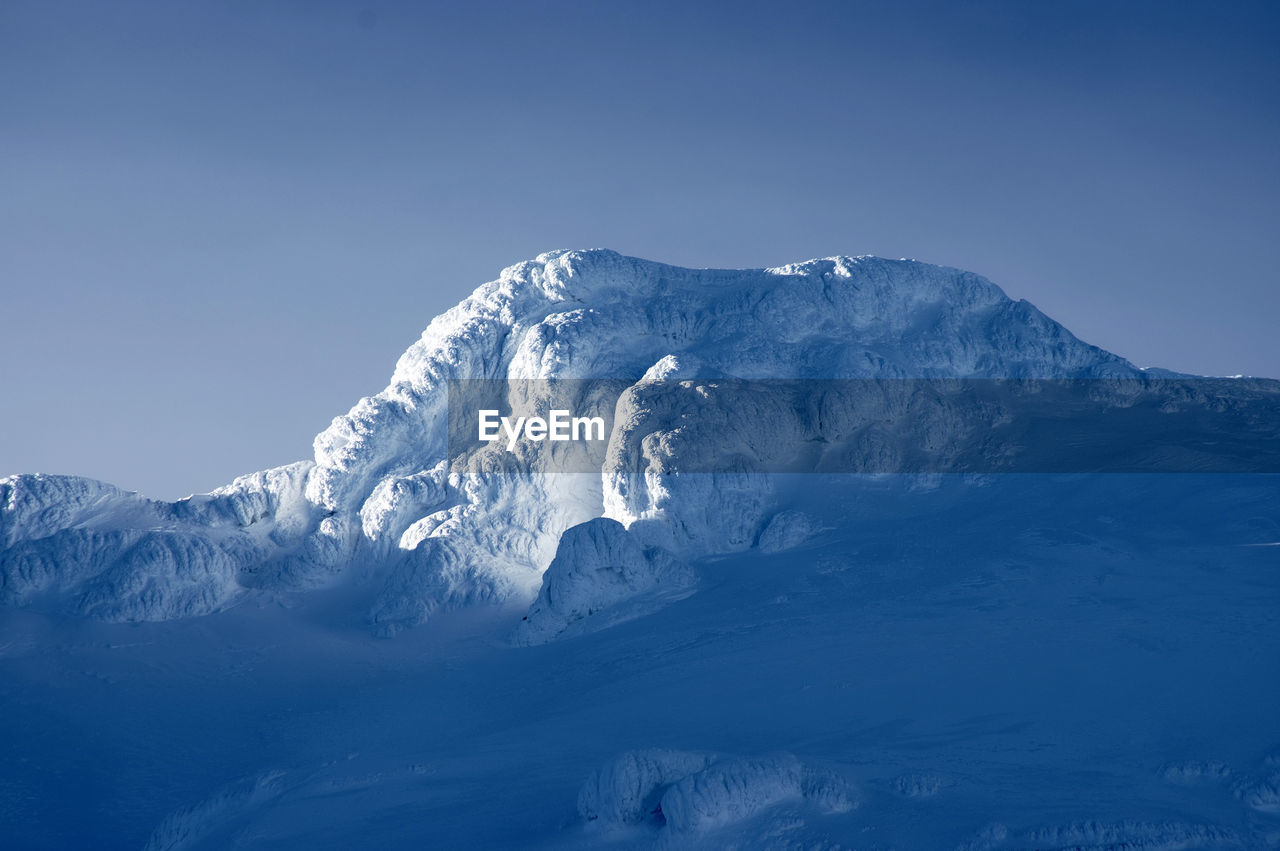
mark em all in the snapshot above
pixel 385 506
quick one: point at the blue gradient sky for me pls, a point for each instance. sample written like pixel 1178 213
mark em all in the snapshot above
pixel 221 223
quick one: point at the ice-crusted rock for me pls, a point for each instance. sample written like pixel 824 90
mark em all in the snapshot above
pixel 629 789
pixel 598 567
pixel 692 795
pixel 786 530
pixel 38 506
pixel 115 555
pixel 381 504
pixel 731 790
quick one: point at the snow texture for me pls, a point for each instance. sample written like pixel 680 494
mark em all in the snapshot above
pixel 1023 662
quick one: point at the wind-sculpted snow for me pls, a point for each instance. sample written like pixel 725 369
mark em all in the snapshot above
pixel 383 504
pixel 697 797
pixel 731 790
pixel 115 555
pixel 629 789
pixel 786 530
pixel 188 828
pixel 598 566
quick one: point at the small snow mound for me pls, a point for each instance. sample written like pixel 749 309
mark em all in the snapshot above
pixel 693 794
pixel 601 572
pixel 628 790
pixel 1262 795
pixel 786 531
pixel 1194 772
pixel 991 836
pixel 917 785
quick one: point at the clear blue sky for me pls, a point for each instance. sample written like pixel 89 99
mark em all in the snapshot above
pixel 220 223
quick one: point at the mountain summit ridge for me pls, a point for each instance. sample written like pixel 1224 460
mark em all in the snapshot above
pixel 379 503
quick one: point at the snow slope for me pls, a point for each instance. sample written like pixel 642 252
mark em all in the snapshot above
pixel 1032 662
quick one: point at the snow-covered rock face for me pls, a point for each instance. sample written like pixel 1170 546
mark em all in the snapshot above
pixel 598 567
pixel 382 504
pixel 111 554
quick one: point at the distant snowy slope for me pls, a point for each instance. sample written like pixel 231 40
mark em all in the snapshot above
pixel 380 506
pixel 1032 662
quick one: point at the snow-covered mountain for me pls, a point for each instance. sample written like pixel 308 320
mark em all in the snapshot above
pixel 379 504
pixel 733 658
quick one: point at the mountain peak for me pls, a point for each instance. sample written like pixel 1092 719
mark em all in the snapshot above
pixel 380 501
